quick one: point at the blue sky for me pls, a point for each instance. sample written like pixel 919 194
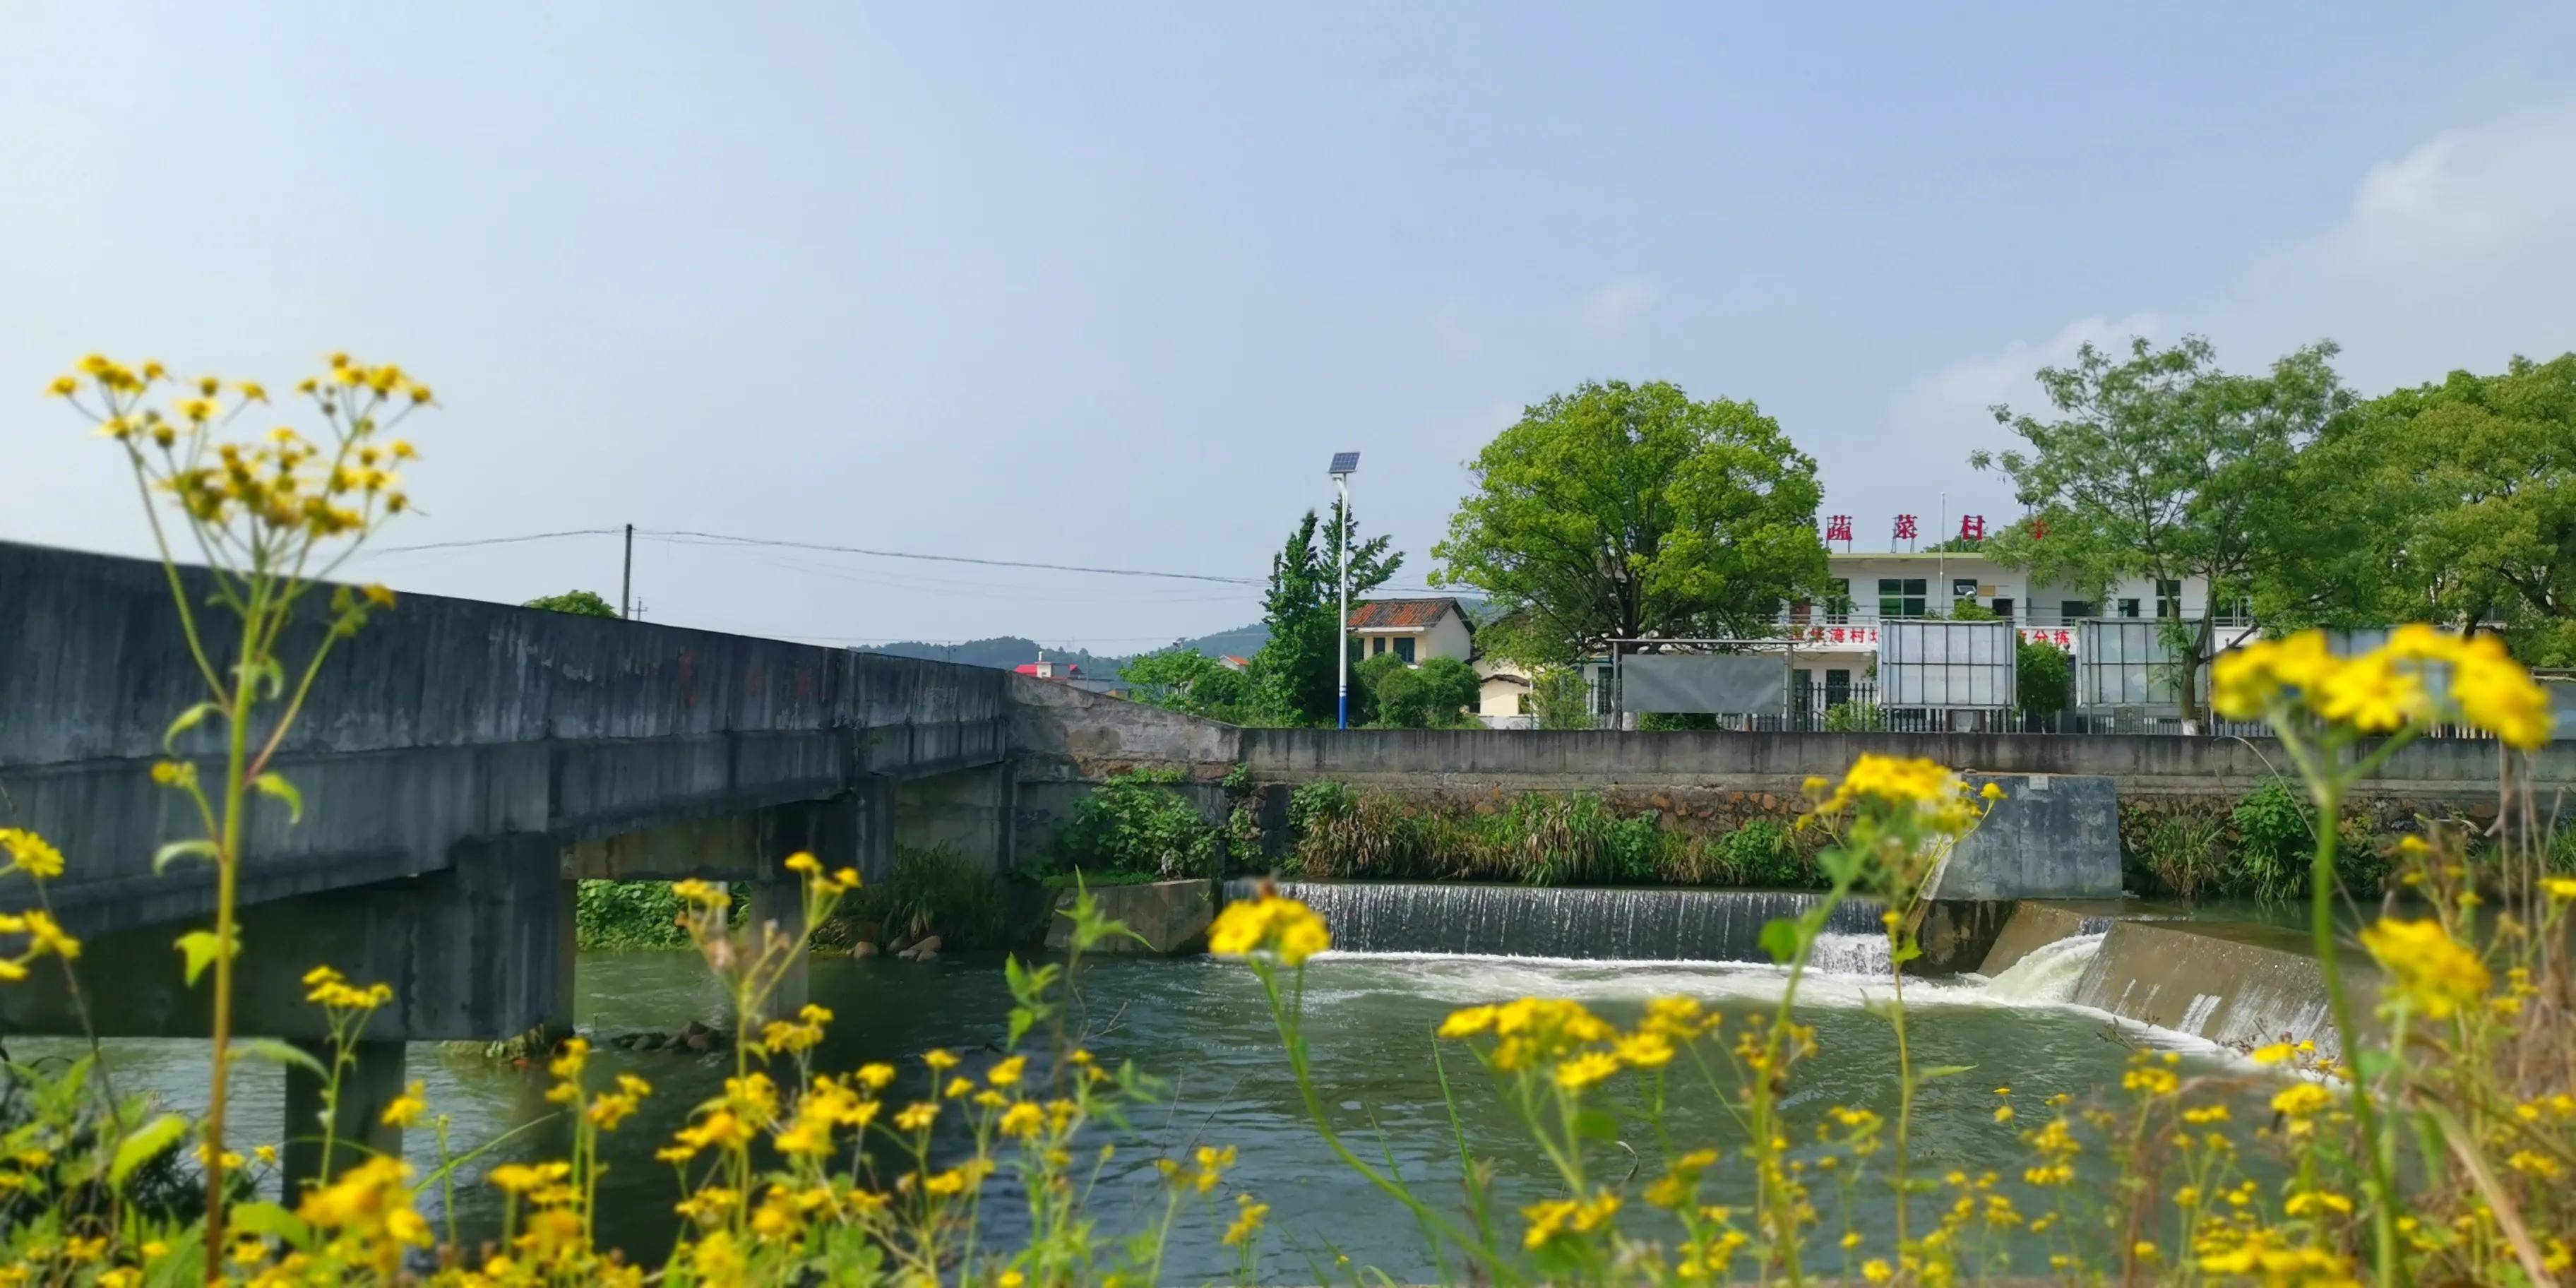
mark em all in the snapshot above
pixel 1106 285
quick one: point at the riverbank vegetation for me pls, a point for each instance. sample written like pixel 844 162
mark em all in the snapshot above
pixel 1536 838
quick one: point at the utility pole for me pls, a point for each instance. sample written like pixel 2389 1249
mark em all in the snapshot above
pixel 626 579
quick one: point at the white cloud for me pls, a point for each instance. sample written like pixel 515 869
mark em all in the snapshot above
pixel 1615 305
pixel 2459 253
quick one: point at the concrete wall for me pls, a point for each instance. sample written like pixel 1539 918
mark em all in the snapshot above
pixel 2048 838
pixel 446 732
pixel 444 719
pixel 1777 762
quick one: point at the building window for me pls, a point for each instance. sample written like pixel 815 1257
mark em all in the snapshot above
pixel 1837 688
pixel 1376 645
pixel 1524 708
pixel 2004 608
pixel 1901 596
pixel 1404 649
pixel 1838 600
pixel 2168 598
pixel 2074 610
pixel 2128 608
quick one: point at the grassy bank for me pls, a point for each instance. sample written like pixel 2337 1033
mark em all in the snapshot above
pixel 1337 831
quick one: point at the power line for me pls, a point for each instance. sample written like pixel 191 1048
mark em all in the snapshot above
pixel 495 541
pixel 722 539
pixel 964 559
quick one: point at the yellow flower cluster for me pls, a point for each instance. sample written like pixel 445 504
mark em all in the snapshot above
pixel 1535 1031
pixel 44 937
pixel 824 884
pixel 2434 973
pixel 282 486
pixel 1282 928
pixel 1567 1216
pixel 30 853
pixel 368 1215
pixel 331 990
pixel 2387 689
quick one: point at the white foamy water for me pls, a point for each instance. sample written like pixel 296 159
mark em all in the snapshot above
pixel 1849 954
pixel 2047 973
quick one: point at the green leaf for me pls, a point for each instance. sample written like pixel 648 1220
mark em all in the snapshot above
pixel 281 1054
pixel 1022 1020
pixel 144 1144
pixel 274 784
pixel 1929 1072
pixel 198 946
pixel 268 1220
pixel 1780 938
pixel 1597 1124
pixel 188 719
pixel 201 847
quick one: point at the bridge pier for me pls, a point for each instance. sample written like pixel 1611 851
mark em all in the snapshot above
pixel 372 1080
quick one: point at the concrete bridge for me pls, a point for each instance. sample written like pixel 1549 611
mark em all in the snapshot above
pixel 460 764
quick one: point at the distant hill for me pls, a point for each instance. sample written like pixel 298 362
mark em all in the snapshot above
pixel 1008 651
pixel 1002 651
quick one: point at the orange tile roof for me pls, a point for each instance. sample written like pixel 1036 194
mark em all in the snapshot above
pixel 1401 614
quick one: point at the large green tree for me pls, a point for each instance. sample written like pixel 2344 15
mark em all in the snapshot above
pixel 1184 679
pixel 1624 511
pixel 579 603
pixel 1293 676
pixel 2161 465
pixel 2452 502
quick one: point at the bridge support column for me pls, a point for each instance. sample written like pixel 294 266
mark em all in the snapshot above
pixel 373 1078
pixel 970 811
pixel 567 950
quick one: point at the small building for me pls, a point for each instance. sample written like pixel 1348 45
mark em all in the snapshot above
pixel 1050 670
pixel 1415 630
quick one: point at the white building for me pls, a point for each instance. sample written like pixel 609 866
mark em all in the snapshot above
pixel 1837 639
pixel 1834 643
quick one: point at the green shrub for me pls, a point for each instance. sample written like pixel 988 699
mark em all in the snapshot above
pixel 1137 822
pixel 935 891
pixel 627 914
pixel 2044 679
pixel 2182 854
pixel 1760 853
pixel 1854 717
pixel 2273 843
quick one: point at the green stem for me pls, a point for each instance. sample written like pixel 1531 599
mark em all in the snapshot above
pixel 2329 789
pixel 227 886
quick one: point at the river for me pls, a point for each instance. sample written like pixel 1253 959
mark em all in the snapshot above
pixel 1201 1024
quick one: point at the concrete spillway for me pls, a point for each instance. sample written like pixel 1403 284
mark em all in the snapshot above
pixel 1521 921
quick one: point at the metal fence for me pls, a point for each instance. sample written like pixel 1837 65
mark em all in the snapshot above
pixel 1862 705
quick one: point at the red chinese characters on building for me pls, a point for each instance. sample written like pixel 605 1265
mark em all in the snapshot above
pixel 1838 528
pixel 1905 529
pixel 1972 526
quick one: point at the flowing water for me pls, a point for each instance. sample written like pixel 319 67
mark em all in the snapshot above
pixel 1202 1024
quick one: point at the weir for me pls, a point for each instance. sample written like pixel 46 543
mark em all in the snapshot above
pixel 1522 921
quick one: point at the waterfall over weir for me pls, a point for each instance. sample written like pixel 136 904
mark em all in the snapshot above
pixel 1525 921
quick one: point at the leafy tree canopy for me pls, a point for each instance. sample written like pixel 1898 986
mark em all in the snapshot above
pixel 1294 673
pixel 2452 502
pixel 580 603
pixel 1621 511
pixel 2161 465
pixel 1433 695
pixel 1184 679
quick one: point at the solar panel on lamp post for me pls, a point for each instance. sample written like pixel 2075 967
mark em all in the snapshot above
pixel 1344 465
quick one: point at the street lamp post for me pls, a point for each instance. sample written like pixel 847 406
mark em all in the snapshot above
pixel 1344 464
